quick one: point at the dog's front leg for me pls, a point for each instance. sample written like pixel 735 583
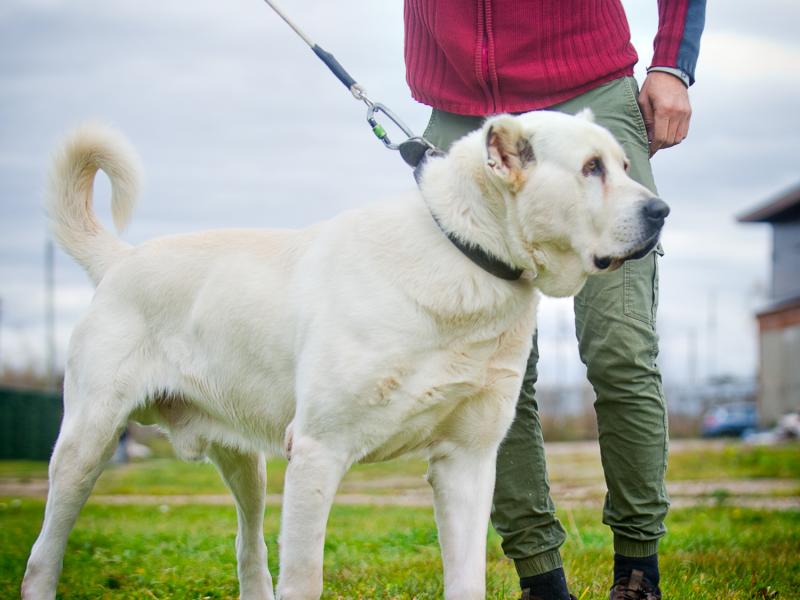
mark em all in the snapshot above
pixel 463 482
pixel 312 478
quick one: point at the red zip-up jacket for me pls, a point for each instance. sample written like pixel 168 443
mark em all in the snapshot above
pixel 482 57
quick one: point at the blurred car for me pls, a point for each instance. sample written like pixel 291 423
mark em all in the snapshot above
pixel 733 419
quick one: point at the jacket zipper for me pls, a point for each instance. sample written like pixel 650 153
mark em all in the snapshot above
pixel 484 72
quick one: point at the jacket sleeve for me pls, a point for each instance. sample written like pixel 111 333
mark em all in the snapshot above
pixel 677 43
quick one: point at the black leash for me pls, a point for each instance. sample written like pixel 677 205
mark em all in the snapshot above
pixel 415 149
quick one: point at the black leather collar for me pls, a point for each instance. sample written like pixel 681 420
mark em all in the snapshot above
pixel 487 262
pixel 416 157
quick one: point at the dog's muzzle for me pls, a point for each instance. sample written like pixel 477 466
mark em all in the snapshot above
pixel 654 211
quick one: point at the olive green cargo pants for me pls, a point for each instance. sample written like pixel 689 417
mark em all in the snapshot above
pixel 615 323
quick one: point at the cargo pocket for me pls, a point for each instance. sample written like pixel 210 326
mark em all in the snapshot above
pixel 640 287
pixel 632 99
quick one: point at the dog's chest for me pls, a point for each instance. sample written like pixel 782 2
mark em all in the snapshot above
pixel 444 393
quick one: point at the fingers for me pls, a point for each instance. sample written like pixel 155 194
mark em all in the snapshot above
pixel 660 135
pixel 683 129
pixel 664 101
pixel 671 130
pixel 672 127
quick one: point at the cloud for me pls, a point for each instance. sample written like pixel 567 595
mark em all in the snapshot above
pixel 747 58
pixel 238 124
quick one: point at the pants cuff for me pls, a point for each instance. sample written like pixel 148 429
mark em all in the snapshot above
pixel 536 565
pixel 634 548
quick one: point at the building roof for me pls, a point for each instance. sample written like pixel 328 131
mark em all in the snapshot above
pixel 785 207
pixel 780 315
pixel 780 306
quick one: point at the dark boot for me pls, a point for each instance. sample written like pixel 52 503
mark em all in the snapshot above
pixel 635 587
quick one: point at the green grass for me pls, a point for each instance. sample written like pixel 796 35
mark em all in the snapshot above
pixel 131 551
pixel 711 460
pixel 381 553
pixel 167 476
pixel 23 470
pixel 735 461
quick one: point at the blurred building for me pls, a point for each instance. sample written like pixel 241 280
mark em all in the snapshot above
pixel 779 322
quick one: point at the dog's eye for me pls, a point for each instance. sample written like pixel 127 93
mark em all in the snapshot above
pixel 593 167
pixel 627 166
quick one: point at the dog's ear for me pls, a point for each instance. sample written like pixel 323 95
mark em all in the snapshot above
pixel 586 114
pixel 508 151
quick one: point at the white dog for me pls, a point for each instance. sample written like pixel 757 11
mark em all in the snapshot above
pixel 359 339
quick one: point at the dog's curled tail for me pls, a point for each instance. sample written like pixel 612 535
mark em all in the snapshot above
pixel 73 222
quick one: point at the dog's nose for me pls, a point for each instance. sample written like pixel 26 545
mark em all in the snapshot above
pixel 655 209
pixel 602 262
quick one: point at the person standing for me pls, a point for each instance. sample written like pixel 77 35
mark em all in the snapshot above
pixel 470 60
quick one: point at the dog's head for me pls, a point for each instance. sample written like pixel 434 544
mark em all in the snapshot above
pixel 570 208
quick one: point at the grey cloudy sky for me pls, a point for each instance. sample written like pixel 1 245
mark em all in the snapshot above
pixel 238 124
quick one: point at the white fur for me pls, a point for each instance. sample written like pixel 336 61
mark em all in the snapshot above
pixel 362 338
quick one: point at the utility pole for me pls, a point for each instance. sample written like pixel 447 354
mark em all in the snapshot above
pixel 691 356
pixel 50 314
pixel 712 335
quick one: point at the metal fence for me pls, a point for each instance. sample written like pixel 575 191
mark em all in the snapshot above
pixel 29 422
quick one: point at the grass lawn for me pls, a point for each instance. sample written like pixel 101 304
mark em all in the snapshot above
pixel 168 476
pixel 186 551
pixel 389 552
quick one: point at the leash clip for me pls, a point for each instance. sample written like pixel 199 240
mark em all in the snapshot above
pixel 414 149
pixel 373 109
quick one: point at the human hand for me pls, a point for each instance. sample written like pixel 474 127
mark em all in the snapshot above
pixel 664 101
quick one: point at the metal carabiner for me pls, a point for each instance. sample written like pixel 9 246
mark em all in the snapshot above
pixel 413 148
pixel 377 128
